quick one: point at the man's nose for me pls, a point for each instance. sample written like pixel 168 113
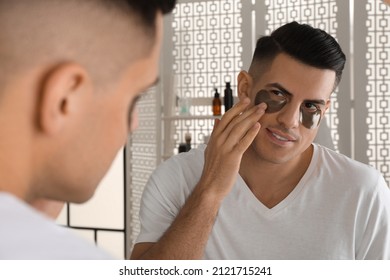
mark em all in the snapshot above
pixel 289 116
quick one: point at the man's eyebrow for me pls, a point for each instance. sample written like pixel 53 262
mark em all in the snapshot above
pixel 285 91
pixel 317 101
pixel 280 87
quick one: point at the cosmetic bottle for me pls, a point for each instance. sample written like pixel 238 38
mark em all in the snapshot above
pixel 185 147
pixel 182 148
pixel 228 98
pixel 216 103
pixel 184 106
pixel 187 138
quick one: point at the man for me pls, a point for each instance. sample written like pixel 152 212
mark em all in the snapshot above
pixel 70 74
pixel 261 189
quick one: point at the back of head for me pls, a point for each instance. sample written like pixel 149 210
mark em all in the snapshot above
pixel 145 10
pixel 94 33
pixel 70 70
pixel 304 43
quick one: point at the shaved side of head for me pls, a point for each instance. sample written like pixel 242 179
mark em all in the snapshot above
pixel 89 32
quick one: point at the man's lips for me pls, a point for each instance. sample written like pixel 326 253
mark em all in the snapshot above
pixel 281 135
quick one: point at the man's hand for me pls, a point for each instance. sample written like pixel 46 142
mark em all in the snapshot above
pixel 230 138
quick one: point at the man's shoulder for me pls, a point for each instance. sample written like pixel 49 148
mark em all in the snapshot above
pixel 330 154
pixel 27 234
pixel 342 166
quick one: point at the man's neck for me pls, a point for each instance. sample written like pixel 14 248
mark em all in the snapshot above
pixel 271 182
pixel 14 169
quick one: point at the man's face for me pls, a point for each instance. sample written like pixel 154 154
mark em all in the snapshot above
pixel 301 96
pixel 387 2
pixel 107 121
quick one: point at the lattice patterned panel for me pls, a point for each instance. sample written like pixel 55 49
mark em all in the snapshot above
pixel 198 128
pixel 142 156
pixel 319 14
pixel 207 53
pixel 378 88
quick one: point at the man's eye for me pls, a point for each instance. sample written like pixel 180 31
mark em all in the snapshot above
pixel 311 107
pixel 277 92
pixel 278 95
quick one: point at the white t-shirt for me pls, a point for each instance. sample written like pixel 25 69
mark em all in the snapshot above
pixel 340 209
pixel 27 234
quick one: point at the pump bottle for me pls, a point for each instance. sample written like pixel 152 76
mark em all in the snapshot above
pixel 228 98
pixel 216 103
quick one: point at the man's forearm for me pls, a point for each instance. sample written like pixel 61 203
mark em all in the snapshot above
pixel 186 238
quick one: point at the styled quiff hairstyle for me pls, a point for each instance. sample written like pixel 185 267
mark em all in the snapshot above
pixel 304 43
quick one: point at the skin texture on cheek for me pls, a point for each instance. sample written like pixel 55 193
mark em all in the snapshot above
pixel 310 120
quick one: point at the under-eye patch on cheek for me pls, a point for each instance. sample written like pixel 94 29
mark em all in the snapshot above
pixel 276 103
pixel 273 104
pixel 310 120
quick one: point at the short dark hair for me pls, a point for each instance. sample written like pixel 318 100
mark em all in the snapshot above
pixel 312 46
pixel 149 8
pixel 146 9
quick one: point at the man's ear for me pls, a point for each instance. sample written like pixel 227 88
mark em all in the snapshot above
pixel 244 81
pixel 327 106
pixel 61 95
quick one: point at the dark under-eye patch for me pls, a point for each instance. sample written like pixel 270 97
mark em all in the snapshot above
pixel 275 103
pixel 309 120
